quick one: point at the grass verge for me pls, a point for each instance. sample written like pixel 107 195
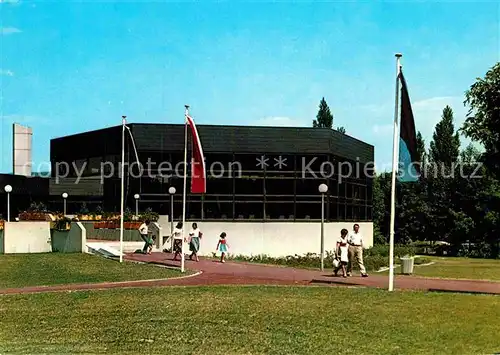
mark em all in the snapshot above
pixel 461 268
pixel 250 320
pixel 21 270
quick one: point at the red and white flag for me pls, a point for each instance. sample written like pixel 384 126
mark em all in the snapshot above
pixel 198 171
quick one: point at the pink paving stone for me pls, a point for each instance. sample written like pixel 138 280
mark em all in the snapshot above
pixel 239 273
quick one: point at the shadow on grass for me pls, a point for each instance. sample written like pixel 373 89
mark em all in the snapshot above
pixel 462 292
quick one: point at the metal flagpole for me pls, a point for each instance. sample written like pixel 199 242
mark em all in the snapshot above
pixel 122 188
pixel 395 159
pixel 185 183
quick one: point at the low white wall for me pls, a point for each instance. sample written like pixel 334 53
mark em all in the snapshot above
pixel 27 237
pixel 275 238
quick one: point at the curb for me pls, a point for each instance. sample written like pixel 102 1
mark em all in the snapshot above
pixel 88 287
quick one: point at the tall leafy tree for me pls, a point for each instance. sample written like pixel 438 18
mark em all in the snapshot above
pixel 381 206
pixel 483 121
pixel 324 118
pixel 422 152
pixel 483 126
pixel 421 146
pixel 445 146
pixel 443 153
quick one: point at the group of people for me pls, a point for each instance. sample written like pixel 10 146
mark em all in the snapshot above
pixel 194 239
pixel 349 249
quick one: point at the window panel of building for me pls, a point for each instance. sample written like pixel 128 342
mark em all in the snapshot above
pixel 369 192
pixel 249 186
pixel 280 210
pixel 249 198
pixel 279 186
pixel 369 213
pixel 309 210
pixel 217 210
pixel 218 198
pixel 333 209
pixel 193 210
pixel 221 165
pixel 308 163
pixel 363 213
pixel 151 186
pixel 216 186
pixel 309 186
pixel 341 208
pixel 342 190
pixel 248 210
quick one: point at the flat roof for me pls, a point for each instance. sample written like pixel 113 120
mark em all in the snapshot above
pixel 218 139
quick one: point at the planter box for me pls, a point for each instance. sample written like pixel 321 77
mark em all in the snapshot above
pixel 116 225
pixel 35 216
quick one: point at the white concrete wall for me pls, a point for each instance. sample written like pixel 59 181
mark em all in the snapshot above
pixel 276 238
pixel 27 237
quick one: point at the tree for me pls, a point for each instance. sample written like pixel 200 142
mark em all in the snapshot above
pixel 483 126
pixel 470 154
pixel 422 153
pixel 445 146
pixel 483 121
pixel 341 130
pixel 324 118
pixel 381 207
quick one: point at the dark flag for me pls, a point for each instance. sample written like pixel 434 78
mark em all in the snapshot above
pixel 409 159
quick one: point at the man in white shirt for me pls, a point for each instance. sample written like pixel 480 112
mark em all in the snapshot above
pixel 355 241
pixel 144 231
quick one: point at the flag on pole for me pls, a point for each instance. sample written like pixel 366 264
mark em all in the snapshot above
pixel 409 159
pixel 198 171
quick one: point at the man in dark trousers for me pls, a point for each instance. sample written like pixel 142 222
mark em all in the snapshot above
pixel 143 231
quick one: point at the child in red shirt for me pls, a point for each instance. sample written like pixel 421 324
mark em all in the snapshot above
pixel 222 246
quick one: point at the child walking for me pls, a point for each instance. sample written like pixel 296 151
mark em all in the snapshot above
pixel 342 253
pixel 222 247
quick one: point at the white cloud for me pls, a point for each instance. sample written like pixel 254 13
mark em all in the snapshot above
pixel 6 72
pixel 9 30
pixel 280 121
pixel 427 114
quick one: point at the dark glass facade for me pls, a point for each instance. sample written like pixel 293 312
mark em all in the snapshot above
pixel 278 184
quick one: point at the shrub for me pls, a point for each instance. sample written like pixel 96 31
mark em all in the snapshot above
pixel 374 258
pixel 378 237
pixel 383 250
pixel 149 215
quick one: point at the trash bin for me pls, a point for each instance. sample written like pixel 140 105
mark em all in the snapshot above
pixel 407 265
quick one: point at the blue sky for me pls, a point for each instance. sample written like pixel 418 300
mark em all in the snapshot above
pixel 68 67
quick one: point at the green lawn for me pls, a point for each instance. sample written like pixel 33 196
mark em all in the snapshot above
pixel 250 320
pixel 21 270
pixel 459 268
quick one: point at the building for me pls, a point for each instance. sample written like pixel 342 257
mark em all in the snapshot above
pixel 253 173
pixel 25 191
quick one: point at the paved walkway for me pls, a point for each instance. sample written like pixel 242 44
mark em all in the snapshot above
pixel 212 272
